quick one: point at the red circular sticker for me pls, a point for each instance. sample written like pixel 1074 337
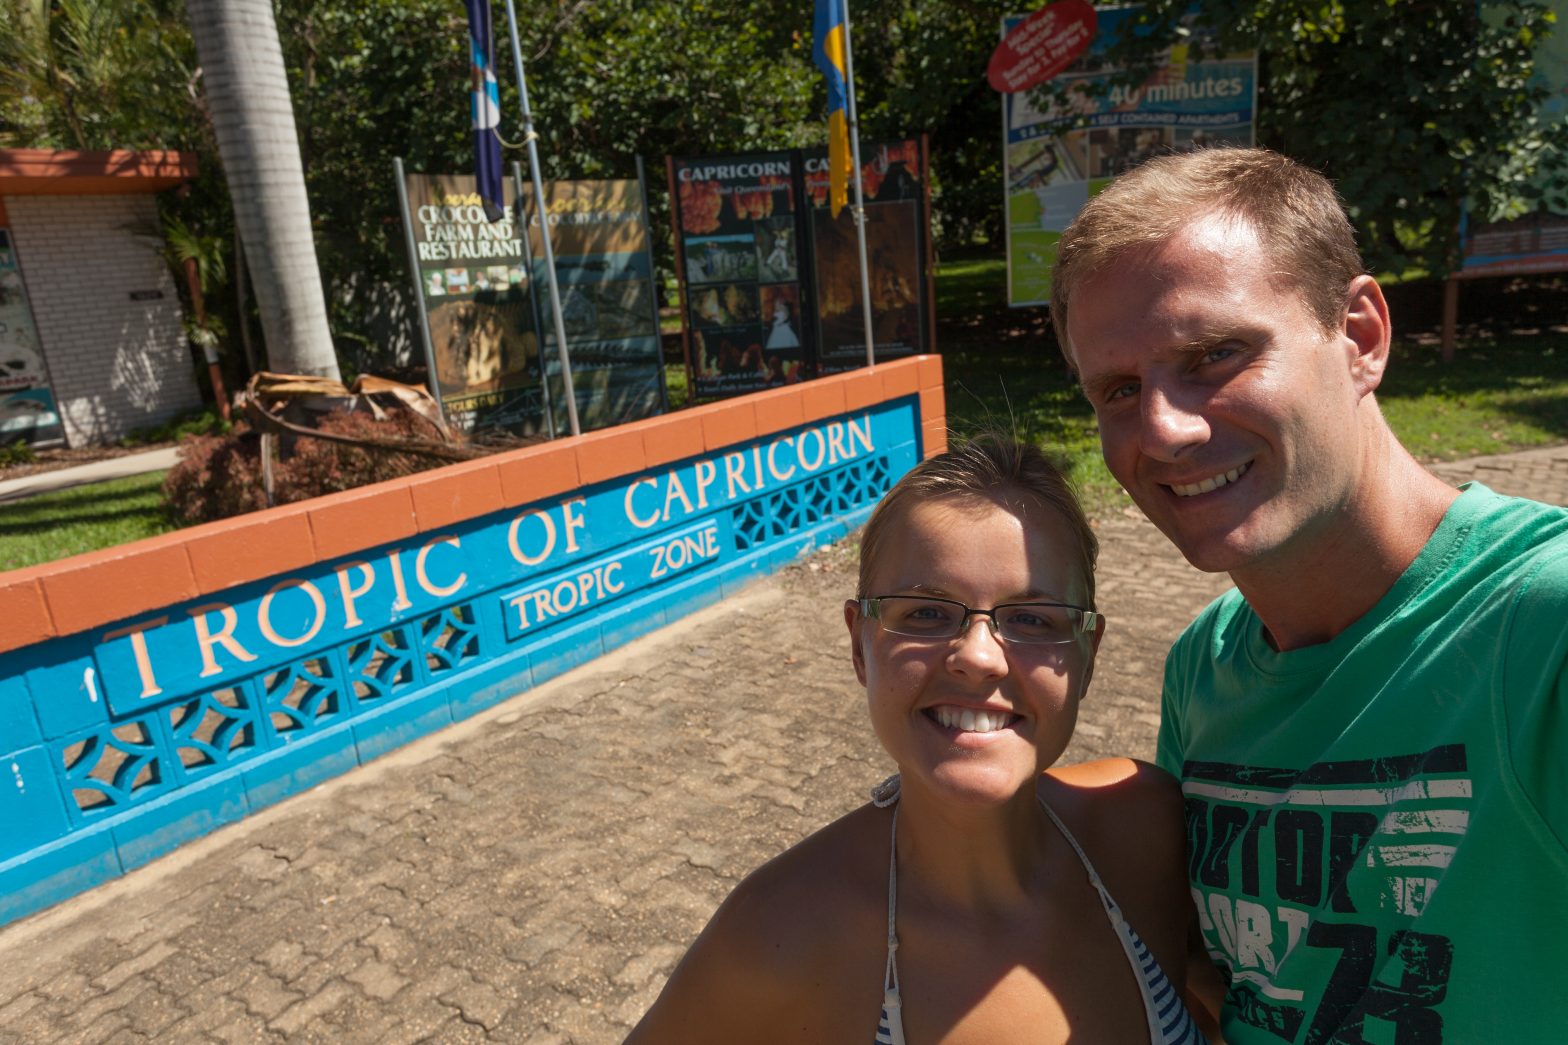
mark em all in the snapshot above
pixel 1041 46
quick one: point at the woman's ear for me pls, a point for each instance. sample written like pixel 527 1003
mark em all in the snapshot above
pixel 856 622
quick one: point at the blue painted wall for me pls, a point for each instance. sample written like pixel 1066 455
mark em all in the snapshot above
pixel 123 743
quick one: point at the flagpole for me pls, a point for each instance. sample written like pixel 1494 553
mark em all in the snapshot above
pixel 544 227
pixel 860 192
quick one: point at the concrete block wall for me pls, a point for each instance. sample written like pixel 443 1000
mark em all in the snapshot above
pixel 115 363
pixel 153 692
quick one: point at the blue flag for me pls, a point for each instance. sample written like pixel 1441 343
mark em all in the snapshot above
pixel 486 99
pixel 827 49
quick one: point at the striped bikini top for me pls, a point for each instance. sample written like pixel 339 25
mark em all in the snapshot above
pixel 1169 1021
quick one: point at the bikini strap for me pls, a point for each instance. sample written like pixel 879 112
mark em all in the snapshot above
pixel 1083 858
pixel 890 976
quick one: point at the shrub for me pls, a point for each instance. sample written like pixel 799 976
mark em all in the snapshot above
pixel 16 453
pixel 192 422
pixel 220 476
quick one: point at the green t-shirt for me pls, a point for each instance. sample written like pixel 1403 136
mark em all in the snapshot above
pixel 1378 826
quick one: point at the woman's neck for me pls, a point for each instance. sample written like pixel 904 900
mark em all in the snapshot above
pixel 978 858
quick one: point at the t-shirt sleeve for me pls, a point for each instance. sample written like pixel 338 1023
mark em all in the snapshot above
pixel 1535 692
pixel 1170 747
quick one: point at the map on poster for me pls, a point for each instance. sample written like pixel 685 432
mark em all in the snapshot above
pixel 1049 176
pixel 27 406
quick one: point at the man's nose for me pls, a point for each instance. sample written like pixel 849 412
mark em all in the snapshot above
pixel 1171 425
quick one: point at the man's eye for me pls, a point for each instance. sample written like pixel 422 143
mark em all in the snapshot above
pixel 1216 354
pixel 1121 391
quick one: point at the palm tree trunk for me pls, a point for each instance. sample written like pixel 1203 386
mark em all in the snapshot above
pixel 248 99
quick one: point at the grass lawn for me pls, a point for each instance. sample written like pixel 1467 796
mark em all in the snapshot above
pixel 82 519
pixel 1501 393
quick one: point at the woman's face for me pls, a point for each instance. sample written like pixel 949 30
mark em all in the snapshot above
pixel 981 553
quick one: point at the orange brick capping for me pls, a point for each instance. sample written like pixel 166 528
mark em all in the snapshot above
pixel 87 591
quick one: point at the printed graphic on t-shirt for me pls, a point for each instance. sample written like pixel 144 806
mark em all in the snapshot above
pixel 1310 885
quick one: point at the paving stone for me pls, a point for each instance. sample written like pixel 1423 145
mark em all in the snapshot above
pixel 534 875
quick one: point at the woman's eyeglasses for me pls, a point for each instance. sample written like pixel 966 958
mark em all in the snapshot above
pixel 1039 623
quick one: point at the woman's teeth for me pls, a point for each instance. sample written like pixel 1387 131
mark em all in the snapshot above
pixel 971 721
pixel 1211 484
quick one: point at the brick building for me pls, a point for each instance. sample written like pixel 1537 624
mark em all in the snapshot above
pixel 92 343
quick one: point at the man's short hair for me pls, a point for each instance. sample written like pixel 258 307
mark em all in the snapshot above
pixel 1294 210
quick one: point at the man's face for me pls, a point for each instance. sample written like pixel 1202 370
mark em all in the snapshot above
pixel 1226 410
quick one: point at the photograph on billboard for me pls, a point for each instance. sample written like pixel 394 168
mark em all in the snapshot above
pixel 894 179
pixel 604 269
pixel 1049 173
pixel 475 279
pixel 738 254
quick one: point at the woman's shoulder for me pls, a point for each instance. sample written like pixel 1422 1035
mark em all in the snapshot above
pixel 1130 819
pixel 1119 807
pixel 798 898
pixel 775 946
pixel 1125 786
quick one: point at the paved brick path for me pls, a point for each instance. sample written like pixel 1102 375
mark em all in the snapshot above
pixel 532 875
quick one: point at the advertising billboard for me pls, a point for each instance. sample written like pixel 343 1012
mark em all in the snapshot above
pixel 738 241
pixel 1050 173
pixel 476 281
pixel 599 233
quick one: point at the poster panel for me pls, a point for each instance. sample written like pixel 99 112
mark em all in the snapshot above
pixel 27 406
pixel 893 175
pixel 1184 104
pixel 604 266
pixel 738 252
pixel 475 281
pixel 1537 242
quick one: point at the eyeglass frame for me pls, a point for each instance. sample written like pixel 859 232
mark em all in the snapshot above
pixel 1092 619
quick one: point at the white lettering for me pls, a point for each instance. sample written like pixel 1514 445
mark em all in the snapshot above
pixel 206 639
pixel 264 612
pixel 424 578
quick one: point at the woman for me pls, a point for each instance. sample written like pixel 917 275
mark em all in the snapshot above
pixel 975 889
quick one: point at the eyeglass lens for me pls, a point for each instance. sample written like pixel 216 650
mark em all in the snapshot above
pixel 1033 622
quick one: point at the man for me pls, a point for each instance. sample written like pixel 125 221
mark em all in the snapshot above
pixel 1372 729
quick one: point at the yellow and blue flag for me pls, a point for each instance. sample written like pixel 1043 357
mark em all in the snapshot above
pixel 485 109
pixel 827 49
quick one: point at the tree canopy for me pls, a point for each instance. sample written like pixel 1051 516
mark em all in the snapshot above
pixel 1412 106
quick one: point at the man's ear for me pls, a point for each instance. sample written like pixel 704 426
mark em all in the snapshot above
pixel 856 624
pixel 1367 332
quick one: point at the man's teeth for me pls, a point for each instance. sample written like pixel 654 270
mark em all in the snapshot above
pixel 1211 484
pixel 971 721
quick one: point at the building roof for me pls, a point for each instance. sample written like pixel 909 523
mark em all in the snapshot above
pixel 54 172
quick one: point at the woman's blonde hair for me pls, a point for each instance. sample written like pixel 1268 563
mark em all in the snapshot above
pixel 989 466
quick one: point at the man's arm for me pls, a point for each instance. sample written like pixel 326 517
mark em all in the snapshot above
pixel 1535 692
